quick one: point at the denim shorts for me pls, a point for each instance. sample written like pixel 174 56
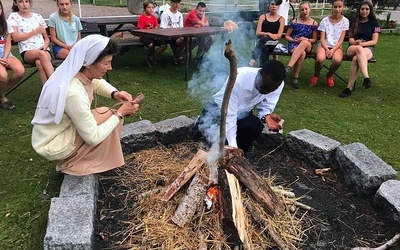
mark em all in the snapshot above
pixel 2 52
pixel 56 50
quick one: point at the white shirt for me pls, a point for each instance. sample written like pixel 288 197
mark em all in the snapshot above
pixel 333 31
pixel 244 98
pixel 171 20
pixel 26 25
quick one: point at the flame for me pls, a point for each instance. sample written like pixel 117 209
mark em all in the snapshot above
pixel 212 196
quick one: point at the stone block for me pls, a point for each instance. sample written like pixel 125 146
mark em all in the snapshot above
pixel 312 147
pixel 362 169
pixel 71 223
pixel 270 140
pixel 387 198
pixel 137 136
pixel 174 129
pixel 77 185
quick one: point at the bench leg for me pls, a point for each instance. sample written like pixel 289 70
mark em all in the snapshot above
pixel 21 82
pixel 338 76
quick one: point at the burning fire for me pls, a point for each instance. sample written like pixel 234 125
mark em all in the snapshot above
pixel 212 196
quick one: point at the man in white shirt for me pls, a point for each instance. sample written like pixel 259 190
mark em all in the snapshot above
pixel 254 88
pixel 172 18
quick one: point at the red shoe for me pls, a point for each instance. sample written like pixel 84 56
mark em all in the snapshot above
pixel 330 81
pixel 313 80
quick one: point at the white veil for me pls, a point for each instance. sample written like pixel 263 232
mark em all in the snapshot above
pixel 51 104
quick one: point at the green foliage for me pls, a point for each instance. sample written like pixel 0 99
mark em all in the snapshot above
pixel 368 116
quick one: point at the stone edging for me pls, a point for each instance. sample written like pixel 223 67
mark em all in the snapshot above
pixel 72 215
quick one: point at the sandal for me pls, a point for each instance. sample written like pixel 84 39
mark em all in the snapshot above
pixel 7 105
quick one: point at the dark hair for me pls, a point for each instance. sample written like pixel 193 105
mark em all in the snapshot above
pixel 110 49
pixel 147 3
pixel 201 5
pixel 277 2
pixel 15 7
pixel 356 21
pixel 275 70
pixel 175 1
pixel 3 22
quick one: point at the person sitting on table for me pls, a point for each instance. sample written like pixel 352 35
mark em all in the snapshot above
pixel 364 34
pixel 65 29
pixel 147 20
pixel 254 88
pixel 197 18
pixel 269 30
pixel 7 61
pixel 65 129
pixel 172 18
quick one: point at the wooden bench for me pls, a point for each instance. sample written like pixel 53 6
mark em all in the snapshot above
pixel 312 54
pixel 87 29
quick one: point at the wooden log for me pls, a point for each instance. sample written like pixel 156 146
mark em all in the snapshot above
pixel 260 190
pixel 225 212
pixel 191 202
pixel 187 173
pixel 238 213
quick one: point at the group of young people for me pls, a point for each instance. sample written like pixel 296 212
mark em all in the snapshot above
pixel 28 29
pixel 173 18
pixel 84 140
pixel 302 34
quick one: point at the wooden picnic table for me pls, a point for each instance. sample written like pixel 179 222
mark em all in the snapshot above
pixel 103 21
pixel 172 33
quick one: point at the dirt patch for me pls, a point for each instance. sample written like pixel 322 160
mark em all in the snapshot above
pixel 341 220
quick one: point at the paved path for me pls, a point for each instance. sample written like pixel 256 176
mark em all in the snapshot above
pixel 46 7
pixel 394 16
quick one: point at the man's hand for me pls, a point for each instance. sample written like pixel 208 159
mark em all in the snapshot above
pixel 273 122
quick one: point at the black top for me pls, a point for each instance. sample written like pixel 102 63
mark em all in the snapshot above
pixel 272 27
pixel 366 30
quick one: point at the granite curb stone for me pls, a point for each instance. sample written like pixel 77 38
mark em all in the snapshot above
pixel 71 223
pixel 387 198
pixel 174 129
pixel 312 147
pixel 362 169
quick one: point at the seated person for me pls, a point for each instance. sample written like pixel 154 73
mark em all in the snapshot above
pixel 364 34
pixel 172 18
pixel 147 20
pixel 65 129
pixel 254 88
pixel 269 30
pixel 65 29
pixel 197 18
pixel 8 61
pixel 301 35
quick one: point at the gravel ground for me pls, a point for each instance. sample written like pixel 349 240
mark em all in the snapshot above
pixel 46 7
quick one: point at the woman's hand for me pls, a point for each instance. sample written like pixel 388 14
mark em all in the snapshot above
pixel 128 108
pixel 123 96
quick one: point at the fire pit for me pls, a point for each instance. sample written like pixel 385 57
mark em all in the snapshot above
pixel 341 219
pixel 132 215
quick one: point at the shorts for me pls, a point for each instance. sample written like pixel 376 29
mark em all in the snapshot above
pixel 56 49
pixel 2 52
pixel 23 55
pixel 147 41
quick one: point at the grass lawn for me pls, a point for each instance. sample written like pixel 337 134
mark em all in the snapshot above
pixel 368 116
